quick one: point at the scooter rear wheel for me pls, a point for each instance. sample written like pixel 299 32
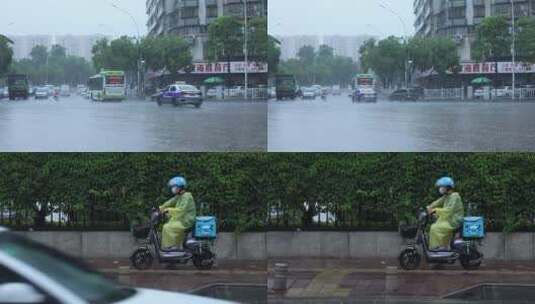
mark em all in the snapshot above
pixel 204 261
pixel 409 259
pixel 142 259
pixel 467 260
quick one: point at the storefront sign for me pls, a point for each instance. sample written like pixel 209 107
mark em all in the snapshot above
pixel 236 67
pixel 490 68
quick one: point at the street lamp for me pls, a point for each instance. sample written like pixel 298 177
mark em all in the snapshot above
pixel 140 59
pixel 405 40
pixel 245 50
pixel 513 51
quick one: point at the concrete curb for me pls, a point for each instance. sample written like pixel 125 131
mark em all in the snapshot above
pixel 180 272
pixel 426 272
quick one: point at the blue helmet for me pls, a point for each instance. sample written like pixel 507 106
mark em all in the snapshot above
pixel 177 181
pixel 445 182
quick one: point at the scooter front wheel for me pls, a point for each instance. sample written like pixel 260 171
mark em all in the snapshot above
pixel 142 259
pixel 409 259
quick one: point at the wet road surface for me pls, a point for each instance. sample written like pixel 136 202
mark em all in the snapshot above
pixel 338 125
pixel 76 124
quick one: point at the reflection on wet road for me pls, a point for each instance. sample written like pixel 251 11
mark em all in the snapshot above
pixel 76 124
pixel 340 125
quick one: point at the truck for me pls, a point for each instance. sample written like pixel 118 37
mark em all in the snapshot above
pixel 18 86
pixel 285 87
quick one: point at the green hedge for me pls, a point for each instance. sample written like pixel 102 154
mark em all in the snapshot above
pixel 373 191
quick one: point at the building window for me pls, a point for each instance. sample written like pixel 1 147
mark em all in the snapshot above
pixel 190 12
pixel 479 12
pixel 211 11
pixel 457 13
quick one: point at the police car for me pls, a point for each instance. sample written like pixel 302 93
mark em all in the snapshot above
pixel 33 273
pixel 180 93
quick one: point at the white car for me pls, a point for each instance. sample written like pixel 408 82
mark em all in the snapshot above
pixel 317 89
pixel 33 273
pixel 309 93
pixel 41 93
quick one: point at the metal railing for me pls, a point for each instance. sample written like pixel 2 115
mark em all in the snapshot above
pixel 329 217
pixel 444 94
pixel 253 94
pixel 61 218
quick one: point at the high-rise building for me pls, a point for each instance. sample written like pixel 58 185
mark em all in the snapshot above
pixel 190 18
pixel 76 45
pixel 457 19
pixel 347 46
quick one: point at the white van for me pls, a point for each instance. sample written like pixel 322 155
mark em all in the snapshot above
pixel 65 90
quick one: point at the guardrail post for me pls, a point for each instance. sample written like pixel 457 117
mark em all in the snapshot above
pixel 280 277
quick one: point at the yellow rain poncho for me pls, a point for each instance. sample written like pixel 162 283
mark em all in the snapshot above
pixel 450 212
pixel 181 211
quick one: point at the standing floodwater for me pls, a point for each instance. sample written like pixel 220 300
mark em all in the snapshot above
pixel 77 124
pixel 340 125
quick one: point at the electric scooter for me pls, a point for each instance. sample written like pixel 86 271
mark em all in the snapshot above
pixel 199 251
pixel 463 249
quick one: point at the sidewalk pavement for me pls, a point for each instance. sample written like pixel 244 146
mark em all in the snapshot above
pixel 379 281
pixel 182 278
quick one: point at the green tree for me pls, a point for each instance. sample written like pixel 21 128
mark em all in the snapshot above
pixel 386 58
pixel 39 55
pixel 176 54
pixel 6 54
pixel 307 54
pixel 366 51
pixel 493 40
pixel 325 52
pixel 61 69
pixel 273 55
pixel 257 39
pixel 101 53
pixel 58 52
pixel 525 42
pixel 438 53
pixel 168 52
pixel 225 40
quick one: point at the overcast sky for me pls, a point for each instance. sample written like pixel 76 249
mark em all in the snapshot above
pixel 71 17
pixel 342 17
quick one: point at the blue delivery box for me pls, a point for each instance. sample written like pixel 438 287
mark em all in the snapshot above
pixel 205 227
pixel 474 227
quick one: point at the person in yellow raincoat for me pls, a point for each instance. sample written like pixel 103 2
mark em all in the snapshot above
pixel 181 211
pixel 450 212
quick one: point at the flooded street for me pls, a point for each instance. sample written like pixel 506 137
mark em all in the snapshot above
pixel 338 125
pixel 77 124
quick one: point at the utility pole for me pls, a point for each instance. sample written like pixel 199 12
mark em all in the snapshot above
pixel 140 61
pixel 245 50
pixel 513 51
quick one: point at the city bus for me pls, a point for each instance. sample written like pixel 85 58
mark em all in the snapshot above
pixel 365 83
pixel 107 85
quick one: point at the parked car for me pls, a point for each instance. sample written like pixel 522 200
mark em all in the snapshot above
pixel 2 95
pixel 503 92
pixel 417 92
pixel 33 273
pixel 41 93
pixel 211 93
pixel 272 92
pixel 308 93
pixel 403 95
pixel 180 94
